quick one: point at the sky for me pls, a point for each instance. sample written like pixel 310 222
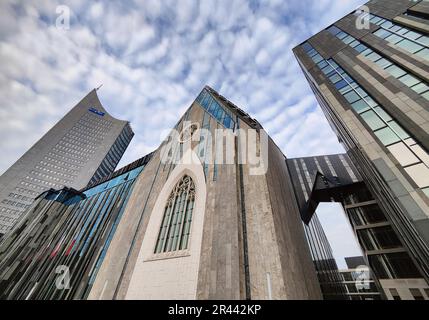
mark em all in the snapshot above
pixel 153 57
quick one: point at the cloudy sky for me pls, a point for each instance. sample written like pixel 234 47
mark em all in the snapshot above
pixel 153 57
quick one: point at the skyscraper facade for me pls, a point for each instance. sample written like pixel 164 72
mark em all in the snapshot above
pixel 369 73
pixel 83 147
pixel 334 178
pixel 318 179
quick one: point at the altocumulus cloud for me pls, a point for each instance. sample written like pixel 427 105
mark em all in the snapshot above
pixel 153 57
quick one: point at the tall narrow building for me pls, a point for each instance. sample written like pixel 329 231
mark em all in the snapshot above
pixel 83 147
pixel 370 74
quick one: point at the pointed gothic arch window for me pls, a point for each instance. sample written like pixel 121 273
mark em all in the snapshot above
pixel 176 223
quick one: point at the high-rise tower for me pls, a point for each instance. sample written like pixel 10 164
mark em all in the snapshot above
pixel 84 146
pixel 370 74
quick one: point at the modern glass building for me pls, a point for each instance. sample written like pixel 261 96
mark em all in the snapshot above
pixel 56 249
pixel 324 262
pixel 323 179
pixel 84 146
pixel 369 72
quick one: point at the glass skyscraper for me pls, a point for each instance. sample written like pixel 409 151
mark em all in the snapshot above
pixel 369 72
pixel 84 146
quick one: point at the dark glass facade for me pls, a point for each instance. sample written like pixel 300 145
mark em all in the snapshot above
pixel 56 249
pixel 380 244
pixel 109 163
pixel 304 173
pixel 326 268
pixel 382 247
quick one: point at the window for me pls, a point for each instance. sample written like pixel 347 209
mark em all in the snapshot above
pixel 412 35
pixel 372 120
pixel 419 86
pixel 335 78
pixel 348 39
pixel 387 136
pixel 381 33
pixel 383 63
pixel 373 214
pixel 401 265
pixel 393 38
pixel 345 89
pixel 375 19
pixel 424 53
pixel 373 56
pixel 317 58
pixel 395 71
pixel 409 80
pixel 342 35
pixel 341 84
pixel 398 129
pixel 351 97
pixel 409 45
pixel 383 114
pixel 385 237
pixel 216 110
pixel 176 224
pixel 409 40
pixel 360 48
pixel 379 238
pixel 227 121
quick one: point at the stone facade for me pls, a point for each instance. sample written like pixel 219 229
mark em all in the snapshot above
pixel 247 240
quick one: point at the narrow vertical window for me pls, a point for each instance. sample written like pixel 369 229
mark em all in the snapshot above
pixel 176 223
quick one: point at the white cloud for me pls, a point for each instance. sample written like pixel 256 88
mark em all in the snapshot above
pixel 96 10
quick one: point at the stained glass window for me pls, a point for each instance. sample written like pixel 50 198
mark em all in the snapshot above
pixel 176 223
